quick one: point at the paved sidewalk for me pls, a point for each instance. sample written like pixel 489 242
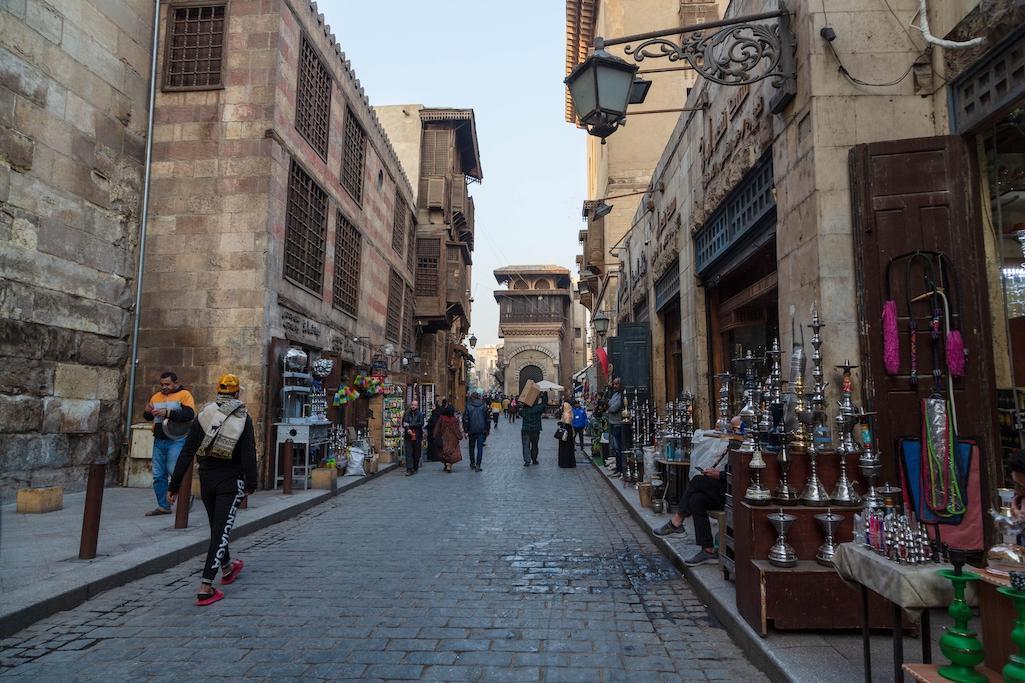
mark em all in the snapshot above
pixel 792 656
pixel 40 572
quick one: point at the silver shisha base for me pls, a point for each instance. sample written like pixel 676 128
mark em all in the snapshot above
pixel 782 554
pixel 785 494
pixel 756 493
pixel 845 494
pixel 830 522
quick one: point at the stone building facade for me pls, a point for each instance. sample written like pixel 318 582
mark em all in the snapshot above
pixel 438 148
pixel 73 108
pixel 280 216
pixel 536 320
pixel 623 165
pixel 752 217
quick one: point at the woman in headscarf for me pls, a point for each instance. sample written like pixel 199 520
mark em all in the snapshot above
pixel 567 457
pixel 432 423
pixel 447 435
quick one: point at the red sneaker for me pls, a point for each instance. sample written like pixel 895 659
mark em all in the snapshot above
pixel 204 599
pixel 236 569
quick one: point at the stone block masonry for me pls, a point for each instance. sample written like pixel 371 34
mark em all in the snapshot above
pixel 72 119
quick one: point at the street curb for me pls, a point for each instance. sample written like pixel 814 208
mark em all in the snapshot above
pixel 12 622
pixel 754 646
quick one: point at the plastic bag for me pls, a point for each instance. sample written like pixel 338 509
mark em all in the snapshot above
pixel 355 466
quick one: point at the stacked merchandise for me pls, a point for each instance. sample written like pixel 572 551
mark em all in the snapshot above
pixel 394 406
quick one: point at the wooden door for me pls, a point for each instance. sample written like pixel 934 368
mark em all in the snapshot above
pixel 912 195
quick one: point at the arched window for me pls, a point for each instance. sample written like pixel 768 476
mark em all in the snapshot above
pixel 542 284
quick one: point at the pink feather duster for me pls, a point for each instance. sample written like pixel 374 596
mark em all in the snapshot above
pixel 955 353
pixel 891 338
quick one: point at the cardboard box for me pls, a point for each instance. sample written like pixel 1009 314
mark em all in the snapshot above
pixel 386 457
pixel 324 478
pixel 40 500
pixel 371 465
pixel 530 393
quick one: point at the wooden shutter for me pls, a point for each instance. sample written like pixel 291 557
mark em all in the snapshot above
pixel 436 193
pixel 911 195
pixel 436 152
pixel 633 350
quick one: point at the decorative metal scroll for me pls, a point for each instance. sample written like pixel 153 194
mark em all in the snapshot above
pixel 737 54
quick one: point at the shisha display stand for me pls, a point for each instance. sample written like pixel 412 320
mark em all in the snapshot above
pixel 958 643
pixel 1014 670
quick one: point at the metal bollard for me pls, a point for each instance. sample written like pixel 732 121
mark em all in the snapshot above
pixel 93 507
pixel 286 464
pixel 181 512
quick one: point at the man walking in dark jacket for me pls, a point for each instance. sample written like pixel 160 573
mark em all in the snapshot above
pixel 531 429
pixel 412 436
pixel 477 425
pixel 224 443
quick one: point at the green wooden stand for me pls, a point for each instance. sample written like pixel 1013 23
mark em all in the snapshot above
pixel 960 645
pixel 1014 670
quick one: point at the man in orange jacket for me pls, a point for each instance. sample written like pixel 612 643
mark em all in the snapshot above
pixel 171 410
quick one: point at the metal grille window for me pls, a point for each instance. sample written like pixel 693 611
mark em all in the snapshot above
pixel 407 318
pixel 398 228
pixel 393 324
pixel 428 256
pixel 305 228
pixel 348 244
pixel 195 47
pixel 992 84
pixel 743 210
pixel 353 156
pixel 313 99
pixel 668 286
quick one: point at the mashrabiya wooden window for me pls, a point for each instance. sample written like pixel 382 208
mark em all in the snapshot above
pixel 393 324
pixel 407 318
pixel 305 229
pixel 348 246
pixel 428 257
pixel 411 243
pixel 313 99
pixel 398 229
pixel 195 47
pixel 354 156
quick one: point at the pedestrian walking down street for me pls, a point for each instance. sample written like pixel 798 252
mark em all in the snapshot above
pixel 432 424
pixel 530 431
pixel 579 423
pixel 614 415
pixel 567 454
pixel 224 444
pixel 514 406
pixel 496 411
pixel 412 436
pixel 447 435
pixel 171 410
pixel 477 425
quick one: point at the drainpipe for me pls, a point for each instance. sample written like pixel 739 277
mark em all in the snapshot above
pixel 144 220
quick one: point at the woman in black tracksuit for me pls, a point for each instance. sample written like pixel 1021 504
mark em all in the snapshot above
pixel 224 484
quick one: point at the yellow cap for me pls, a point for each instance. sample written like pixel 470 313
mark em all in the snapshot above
pixel 228 384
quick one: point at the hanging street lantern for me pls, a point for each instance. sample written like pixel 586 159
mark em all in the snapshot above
pixel 601 323
pixel 600 88
pixel 473 341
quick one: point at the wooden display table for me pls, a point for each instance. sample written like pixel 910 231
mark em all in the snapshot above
pixel 929 673
pixel 997 614
pixel 781 597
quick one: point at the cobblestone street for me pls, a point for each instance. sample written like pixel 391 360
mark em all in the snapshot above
pixel 512 574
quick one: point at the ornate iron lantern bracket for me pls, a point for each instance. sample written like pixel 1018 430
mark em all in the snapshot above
pixel 735 51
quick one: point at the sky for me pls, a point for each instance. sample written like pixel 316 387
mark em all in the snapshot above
pixel 506 61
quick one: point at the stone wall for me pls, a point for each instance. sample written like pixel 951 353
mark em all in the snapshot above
pixel 204 290
pixel 73 97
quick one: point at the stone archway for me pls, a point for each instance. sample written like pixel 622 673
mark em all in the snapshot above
pixel 528 372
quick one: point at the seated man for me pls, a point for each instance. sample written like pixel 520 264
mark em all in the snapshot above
pixel 705 492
